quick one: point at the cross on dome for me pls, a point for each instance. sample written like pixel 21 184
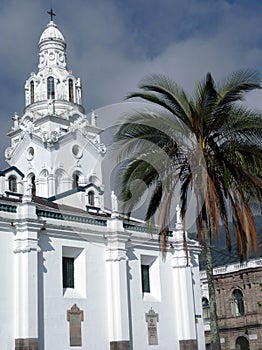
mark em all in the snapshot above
pixel 51 13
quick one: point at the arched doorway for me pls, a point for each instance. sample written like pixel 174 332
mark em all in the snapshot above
pixel 242 343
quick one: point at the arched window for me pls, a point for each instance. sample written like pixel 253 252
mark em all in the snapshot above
pixel 71 90
pixel 12 183
pixel 50 88
pixel 32 91
pixel 238 302
pixel 91 198
pixel 75 180
pixel 206 308
pixel 242 343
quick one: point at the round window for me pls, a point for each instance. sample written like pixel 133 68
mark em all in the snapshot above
pixel 77 152
pixel 30 153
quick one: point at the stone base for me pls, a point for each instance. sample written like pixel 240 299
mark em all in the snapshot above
pixel 120 345
pixel 26 344
pixel 190 344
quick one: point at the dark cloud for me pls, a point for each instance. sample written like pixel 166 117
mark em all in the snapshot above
pixel 112 44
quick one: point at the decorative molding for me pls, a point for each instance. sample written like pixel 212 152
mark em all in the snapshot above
pixel 9 152
pixel 8 208
pixel 116 254
pixel 26 245
pixel 70 217
pixel 234 267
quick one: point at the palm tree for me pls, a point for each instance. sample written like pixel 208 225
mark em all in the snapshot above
pixel 208 147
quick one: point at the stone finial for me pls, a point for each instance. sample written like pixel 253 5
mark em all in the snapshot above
pixel 114 202
pixel 93 118
pixel 178 214
pixel 16 119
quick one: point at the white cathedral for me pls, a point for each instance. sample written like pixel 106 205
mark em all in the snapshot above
pixel 75 275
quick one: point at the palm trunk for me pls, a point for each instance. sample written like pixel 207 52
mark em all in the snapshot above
pixel 214 329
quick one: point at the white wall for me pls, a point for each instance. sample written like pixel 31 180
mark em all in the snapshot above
pixel 162 303
pixel 55 305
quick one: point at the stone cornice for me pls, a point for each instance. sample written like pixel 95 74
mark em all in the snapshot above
pixel 233 268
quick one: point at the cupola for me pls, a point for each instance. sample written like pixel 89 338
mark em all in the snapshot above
pixel 53 89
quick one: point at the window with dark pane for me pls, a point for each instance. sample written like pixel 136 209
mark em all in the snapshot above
pixel 206 308
pixel 32 92
pixel 91 198
pixel 145 278
pixel 71 90
pixel 68 272
pixel 75 180
pixel 12 184
pixel 239 302
pixel 33 185
pixel 50 88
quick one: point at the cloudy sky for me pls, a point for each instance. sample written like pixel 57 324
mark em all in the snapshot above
pixel 112 44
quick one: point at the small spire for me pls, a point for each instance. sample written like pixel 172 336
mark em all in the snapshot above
pixel 51 13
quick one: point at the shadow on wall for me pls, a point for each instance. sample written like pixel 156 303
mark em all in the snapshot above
pixel 45 246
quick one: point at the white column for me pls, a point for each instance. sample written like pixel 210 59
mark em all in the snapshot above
pixel 183 293
pixel 183 289
pixel 26 277
pixel 20 188
pixel 195 252
pixel 51 185
pixel 66 184
pixel 2 185
pixel 117 292
pixel 42 187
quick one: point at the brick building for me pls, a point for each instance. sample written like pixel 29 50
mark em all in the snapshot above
pixel 239 305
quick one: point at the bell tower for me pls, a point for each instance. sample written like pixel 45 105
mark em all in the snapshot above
pixel 53 143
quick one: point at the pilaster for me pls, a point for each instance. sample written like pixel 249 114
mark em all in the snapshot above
pixel 26 283
pixel 2 185
pixel 183 290
pixel 117 288
pixel 51 185
pixel 183 295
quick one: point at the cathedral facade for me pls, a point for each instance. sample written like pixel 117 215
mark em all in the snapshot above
pixel 75 275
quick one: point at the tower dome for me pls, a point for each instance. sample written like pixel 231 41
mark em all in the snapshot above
pixel 51 34
pixel 52 47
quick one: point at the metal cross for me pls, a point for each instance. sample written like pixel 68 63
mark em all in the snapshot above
pixel 51 13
